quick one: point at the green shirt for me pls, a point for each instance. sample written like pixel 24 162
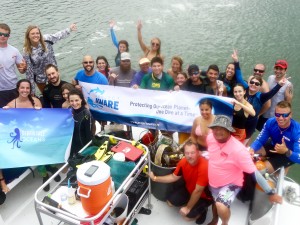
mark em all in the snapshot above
pixel 150 82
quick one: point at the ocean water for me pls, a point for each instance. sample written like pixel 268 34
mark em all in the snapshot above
pixel 201 31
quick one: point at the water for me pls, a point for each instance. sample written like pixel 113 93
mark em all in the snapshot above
pixel 201 31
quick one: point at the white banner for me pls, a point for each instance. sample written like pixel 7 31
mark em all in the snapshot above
pixel 162 110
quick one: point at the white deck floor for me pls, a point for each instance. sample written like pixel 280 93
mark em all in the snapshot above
pixel 19 208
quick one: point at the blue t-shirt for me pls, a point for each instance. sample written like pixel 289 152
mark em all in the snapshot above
pixel 137 79
pixel 291 137
pixel 96 78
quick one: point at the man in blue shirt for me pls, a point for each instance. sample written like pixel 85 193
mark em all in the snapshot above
pixel 88 74
pixel 279 140
pixel 145 68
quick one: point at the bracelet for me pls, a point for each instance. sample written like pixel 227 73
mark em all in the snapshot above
pixel 288 153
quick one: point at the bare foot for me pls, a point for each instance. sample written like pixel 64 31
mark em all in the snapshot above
pixel 213 222
pixel 188 219
pixel 169 203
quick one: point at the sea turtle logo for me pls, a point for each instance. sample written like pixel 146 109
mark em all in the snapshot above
pixel 16 138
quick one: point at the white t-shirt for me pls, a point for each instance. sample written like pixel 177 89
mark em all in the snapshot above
pixel 9 57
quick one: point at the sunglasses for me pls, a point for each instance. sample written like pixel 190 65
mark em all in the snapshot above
pixel 194 73
pixel 4 34
pixel 258 71
pixel 155 44
pixel 256 83
pixel 88 62
pixel 284 115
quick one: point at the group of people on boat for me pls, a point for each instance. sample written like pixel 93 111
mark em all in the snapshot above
pixel 255 103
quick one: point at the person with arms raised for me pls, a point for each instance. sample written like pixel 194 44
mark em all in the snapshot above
pixel 149 52
pixel 254 96
pixel 121 45
pixel 39 52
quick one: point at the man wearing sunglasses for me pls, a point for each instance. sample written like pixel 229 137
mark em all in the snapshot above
pixel 285 93
pixel 9 57
pixel 195 83
pixel 259 70
pixel 279 139
pixel 88 74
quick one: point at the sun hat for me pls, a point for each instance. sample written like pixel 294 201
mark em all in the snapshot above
pixel 144 60
pixel 281 63
pixel 125 56
pixel 222 121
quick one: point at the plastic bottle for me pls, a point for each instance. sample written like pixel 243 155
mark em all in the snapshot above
pixel 71 194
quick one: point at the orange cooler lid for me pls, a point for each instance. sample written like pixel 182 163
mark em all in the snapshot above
pixel 98 177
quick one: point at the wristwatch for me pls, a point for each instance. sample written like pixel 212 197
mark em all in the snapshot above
pixel 272 192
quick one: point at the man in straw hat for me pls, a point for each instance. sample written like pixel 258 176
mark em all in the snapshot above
pixel 228 159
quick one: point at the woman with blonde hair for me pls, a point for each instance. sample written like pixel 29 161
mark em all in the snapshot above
pixel 38 52
pixel 154 49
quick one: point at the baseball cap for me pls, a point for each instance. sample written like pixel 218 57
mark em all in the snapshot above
pixel 281 63
pixel 222 121
pixel 125 56
pixel 144 60
pixel 192 68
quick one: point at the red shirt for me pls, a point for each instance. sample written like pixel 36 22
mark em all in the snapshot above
pixel 192 175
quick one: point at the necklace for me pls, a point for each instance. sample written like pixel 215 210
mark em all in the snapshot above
pixel 281 131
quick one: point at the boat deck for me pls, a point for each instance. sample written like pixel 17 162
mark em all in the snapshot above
pixel 19 208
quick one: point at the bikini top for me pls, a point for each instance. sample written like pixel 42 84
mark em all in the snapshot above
pixel 198 131
pixel 16 103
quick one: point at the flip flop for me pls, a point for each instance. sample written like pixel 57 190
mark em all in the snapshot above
pixel 101 150
pixel 107 156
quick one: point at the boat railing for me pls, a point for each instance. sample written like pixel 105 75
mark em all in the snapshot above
pixel 277 207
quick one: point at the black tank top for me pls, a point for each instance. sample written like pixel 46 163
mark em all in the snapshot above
pixel 239 119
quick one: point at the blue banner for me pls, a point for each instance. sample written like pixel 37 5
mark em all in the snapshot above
pixel 30 137
pixel 162 110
